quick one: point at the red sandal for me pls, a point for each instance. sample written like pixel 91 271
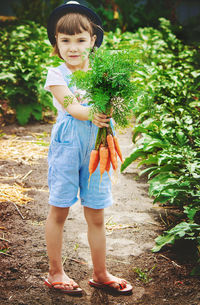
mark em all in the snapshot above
pixel 107 285
pixel 77 290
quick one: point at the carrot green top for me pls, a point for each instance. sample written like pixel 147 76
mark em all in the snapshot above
pixel 109 83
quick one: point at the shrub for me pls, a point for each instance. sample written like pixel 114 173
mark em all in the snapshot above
pixel 37 10
pixel 167 127
pixel 24 57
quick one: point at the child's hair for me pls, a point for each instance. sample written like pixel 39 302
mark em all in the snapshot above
pixel 71 24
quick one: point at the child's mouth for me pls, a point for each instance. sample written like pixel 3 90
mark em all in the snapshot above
pixel 74 56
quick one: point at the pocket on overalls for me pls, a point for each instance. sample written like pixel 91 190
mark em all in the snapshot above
pixel 64 131
pixel 63 146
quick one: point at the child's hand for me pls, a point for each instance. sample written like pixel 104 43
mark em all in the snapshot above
pixel 101 120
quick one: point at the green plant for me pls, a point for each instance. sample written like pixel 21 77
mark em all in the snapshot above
pixel 37 11
pixel 76 246
pixel 166 134
pixel 109 83
pixel 144 276
pixel 187 230
pixel 24 58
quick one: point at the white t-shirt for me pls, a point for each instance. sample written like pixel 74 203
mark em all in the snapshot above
pixel 55 77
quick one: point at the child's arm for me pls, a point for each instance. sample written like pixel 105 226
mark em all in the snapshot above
pixel 76 110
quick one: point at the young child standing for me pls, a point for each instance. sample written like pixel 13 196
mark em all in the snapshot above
pixel 74 30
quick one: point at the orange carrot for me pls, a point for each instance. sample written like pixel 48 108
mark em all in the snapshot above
pixel 94 161
pixel 103 153
pixel 111 147
pixel 108 163
pixel 117 148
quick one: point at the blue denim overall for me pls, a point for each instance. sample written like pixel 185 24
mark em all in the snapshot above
pixel 72 141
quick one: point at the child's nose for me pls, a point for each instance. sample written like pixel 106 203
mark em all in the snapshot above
pixel 73 47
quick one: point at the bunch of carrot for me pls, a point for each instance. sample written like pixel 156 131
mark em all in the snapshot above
pixel 106 150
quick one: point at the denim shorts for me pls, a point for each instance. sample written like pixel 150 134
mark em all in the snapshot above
pixel 72 141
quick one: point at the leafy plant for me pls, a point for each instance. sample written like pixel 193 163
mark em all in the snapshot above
pixel 108 83
pixel 187 230
pixel 37 11
pixel 144 276
pixel 166 134
pixel 24 57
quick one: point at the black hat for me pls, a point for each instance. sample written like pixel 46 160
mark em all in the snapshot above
pixel 73 7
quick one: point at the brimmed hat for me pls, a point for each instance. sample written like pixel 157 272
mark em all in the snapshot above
pixel 73 7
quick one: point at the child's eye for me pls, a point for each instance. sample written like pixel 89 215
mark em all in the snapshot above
pixel 81 40
pixel 65 40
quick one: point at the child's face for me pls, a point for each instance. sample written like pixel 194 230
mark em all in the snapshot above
pixel 74 49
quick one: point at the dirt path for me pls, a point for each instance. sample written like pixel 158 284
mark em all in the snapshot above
pixel 132 223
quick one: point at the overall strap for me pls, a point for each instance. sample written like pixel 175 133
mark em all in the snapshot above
pixel 67 76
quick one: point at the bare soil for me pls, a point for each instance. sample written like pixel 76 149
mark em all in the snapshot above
pixel 132 224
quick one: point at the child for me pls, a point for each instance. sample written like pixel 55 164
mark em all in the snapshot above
pixel 73 30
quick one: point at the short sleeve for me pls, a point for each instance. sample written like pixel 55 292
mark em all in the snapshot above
pixel 54 77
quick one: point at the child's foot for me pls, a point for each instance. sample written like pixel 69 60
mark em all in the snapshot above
pixel 108 280
pixel 65 283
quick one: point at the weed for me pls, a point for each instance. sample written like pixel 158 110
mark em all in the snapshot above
pixel 144 276
pixel 76 246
